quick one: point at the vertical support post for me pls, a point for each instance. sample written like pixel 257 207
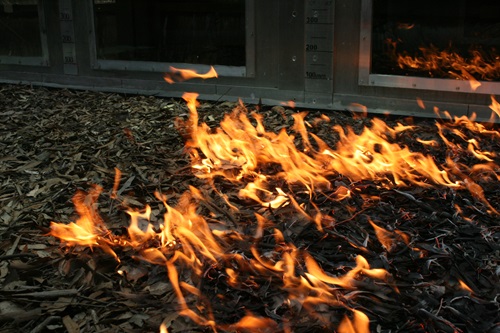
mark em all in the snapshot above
pixel 68 37
pixel 318 48
pixel 291 37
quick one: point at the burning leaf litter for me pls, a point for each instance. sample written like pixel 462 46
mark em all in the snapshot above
pixel 331 223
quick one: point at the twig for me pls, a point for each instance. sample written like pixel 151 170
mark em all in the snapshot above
pixel 440 319
pixel 40 327
pixel 21 316
pixel 17 255
pixel 49 293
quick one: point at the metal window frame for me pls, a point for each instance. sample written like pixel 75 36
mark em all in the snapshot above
pixel 367 78
pixel 247 71
pixel 43 60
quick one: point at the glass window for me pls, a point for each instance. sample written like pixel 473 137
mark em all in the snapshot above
pixel 208 32
pixel 20 29
pixel 438 39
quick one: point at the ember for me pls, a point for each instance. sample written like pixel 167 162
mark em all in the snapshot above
pixel 282 221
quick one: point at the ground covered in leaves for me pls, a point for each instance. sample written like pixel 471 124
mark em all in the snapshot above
pixel 443 260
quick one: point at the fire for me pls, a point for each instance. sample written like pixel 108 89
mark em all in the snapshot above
pixel 163 328
pixel 243 152
pixel 185 240
pixel 348 280
pixel 358 324
pixel 88 229
pixel 406 26
pixel 290 104
pixel 495 107
pixel 179 75
pixel 447 63
pixel 253 324
pixel 270 169
pixel 389 240
pixel 465 287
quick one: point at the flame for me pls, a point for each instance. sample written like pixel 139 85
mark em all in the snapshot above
pixel 464 286
pixel 495 107
pixel 406 26
pixel 348 280
pixel 257 191
pixel 89 228
pixel 389 240
pixel 163 328
pixel 289 103
pixel 474 84
pixel 118 174
pixel 251 323
pixel 421 103
pixel 179 75
pixel 182 227
pixel 358 324
pixel 447 63
pixel 242 151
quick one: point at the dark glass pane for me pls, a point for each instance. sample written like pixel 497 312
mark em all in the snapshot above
pixel 442 39
pixel 20 29
pixel 188 31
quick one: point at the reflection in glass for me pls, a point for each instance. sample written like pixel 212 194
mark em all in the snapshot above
pixel 439 39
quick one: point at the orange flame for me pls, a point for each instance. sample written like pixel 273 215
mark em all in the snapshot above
pixel 446 63
pixel 389 240
pixel 238 149
pixel 179 75
pixel 244 152
pixel 495 107
pixel 348 280
pixel 88 229
pixel 250 324
pixel 406 26
pixel 464 286
pixel 421 103
pixel 358 324
pixel 163 328
pixel 289 103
